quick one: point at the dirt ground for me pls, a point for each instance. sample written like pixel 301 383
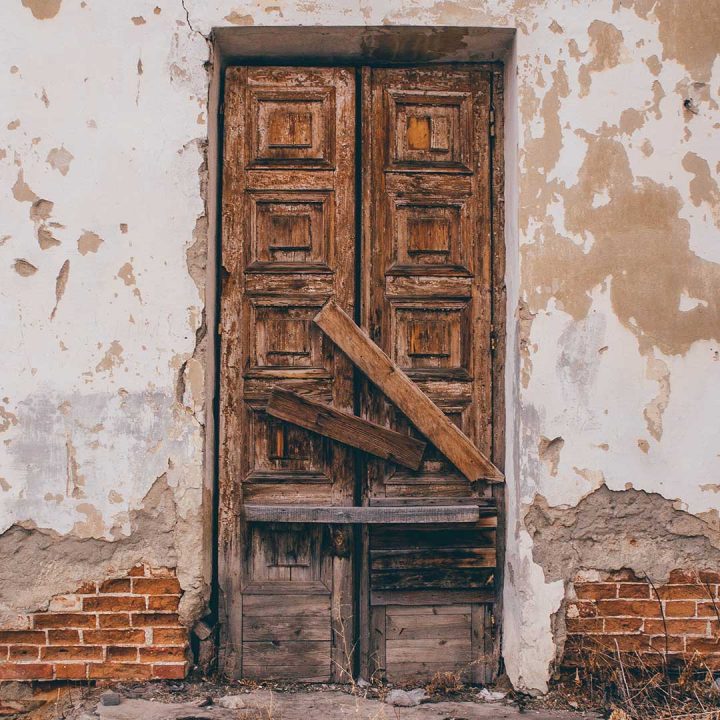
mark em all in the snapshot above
pixel 237 701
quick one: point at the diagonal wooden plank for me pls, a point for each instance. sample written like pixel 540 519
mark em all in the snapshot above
pixel 346 428
pixel 409 398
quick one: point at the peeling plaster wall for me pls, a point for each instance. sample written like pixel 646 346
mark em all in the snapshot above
pixel 613 374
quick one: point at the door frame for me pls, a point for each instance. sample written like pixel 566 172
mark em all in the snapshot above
pixel 226 556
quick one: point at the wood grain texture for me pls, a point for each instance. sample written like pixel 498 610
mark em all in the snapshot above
pixel 346 428
pixel 361 515
pixel 394 383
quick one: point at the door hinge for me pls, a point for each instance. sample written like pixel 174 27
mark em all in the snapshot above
pixel 493 339
pixel 492 122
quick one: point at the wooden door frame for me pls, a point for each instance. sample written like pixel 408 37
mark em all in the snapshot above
pixel 226 587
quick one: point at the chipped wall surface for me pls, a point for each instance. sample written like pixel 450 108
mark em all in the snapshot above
pixel 613 281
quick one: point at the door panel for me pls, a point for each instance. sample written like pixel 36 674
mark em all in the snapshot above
pixel 427 303
pixel 425 593
pixel 288 247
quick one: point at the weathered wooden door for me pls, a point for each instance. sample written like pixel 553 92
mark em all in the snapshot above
pixel 427 301
pixel 310 600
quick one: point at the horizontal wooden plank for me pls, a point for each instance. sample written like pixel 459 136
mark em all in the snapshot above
pixel 391 537
pixel 361 515
pixel 433 558
pixel 289 587
pixel 419 672
pixel 286 627
pixel 346 428
pixel 443 578
pixel 283 604
pixel 426 627
pixel 409 398
pixel 452 650
pixel 431 597
pixel 286 653
pixel 392 610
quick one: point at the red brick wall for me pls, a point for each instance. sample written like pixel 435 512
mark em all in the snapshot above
pixel 621 611
pixel 125 628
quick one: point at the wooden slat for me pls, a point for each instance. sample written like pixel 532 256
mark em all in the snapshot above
pixel 430 597
pixel 426 627
pixel 408 397
pixel 346 428
pixel 362 515
pixel 395 559
pixel 284 627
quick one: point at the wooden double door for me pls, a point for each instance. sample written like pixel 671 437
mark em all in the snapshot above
pixel 371 188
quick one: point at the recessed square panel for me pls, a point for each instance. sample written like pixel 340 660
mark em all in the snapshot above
pixel 430 132
pixel 281 447
pixel 431 339
pixel 290 230
pixel 283 339
pixel 291 128
pixel 429 236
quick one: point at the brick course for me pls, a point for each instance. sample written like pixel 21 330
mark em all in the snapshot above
pixel 122 628
pixel 622 612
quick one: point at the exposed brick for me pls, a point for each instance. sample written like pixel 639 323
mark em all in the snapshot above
pixel 163 602
pixel 156 586
pixel 708 609
pixel 682 592
pixel 672 644
pixel 635 608
pixel 112 603
pixel 119 671
pixel 625 575
pixel 70 671
pixel 585 625
pixel 137 571
pixel 71 652
pixel 120 585
pixel 122 654
pixel 24 652
pixel 154 619
pixel 169 636
pixel 703 645
pixel 65 603
pixel 87 588
pixel 676 627
pixel 640 591
pixel 161 572
pixel 22 637
pixel 169 672
pixel 624 643
pixel 26 671
pixel 623 625
pixel 162 654
pixel 680 608
pixel 64 620
pixel 683 576
pixel 114 620
pixel 63 637
pixel 709 576
pixel 586 609
pixel 115 637
pixel 4 652
pixel 595 591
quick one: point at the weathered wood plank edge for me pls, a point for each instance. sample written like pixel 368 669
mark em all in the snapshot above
pixel 346 428
pixel 409 398
pixel 362 515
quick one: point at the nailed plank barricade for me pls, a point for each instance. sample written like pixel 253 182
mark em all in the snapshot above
pixel 346 428
pixel 363 515
pixel 409 398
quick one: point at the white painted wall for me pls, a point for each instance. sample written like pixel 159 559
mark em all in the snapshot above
pixel 114 95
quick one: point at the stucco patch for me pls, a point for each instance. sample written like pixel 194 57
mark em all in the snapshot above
pixel 610 530
pixel 89 242
pixel 606 42
pixel 639 223
pixel 43 9
pixel 24 268
pixel 59 159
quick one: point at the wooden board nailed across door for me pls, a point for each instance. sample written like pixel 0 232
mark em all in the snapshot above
pixel 419 595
